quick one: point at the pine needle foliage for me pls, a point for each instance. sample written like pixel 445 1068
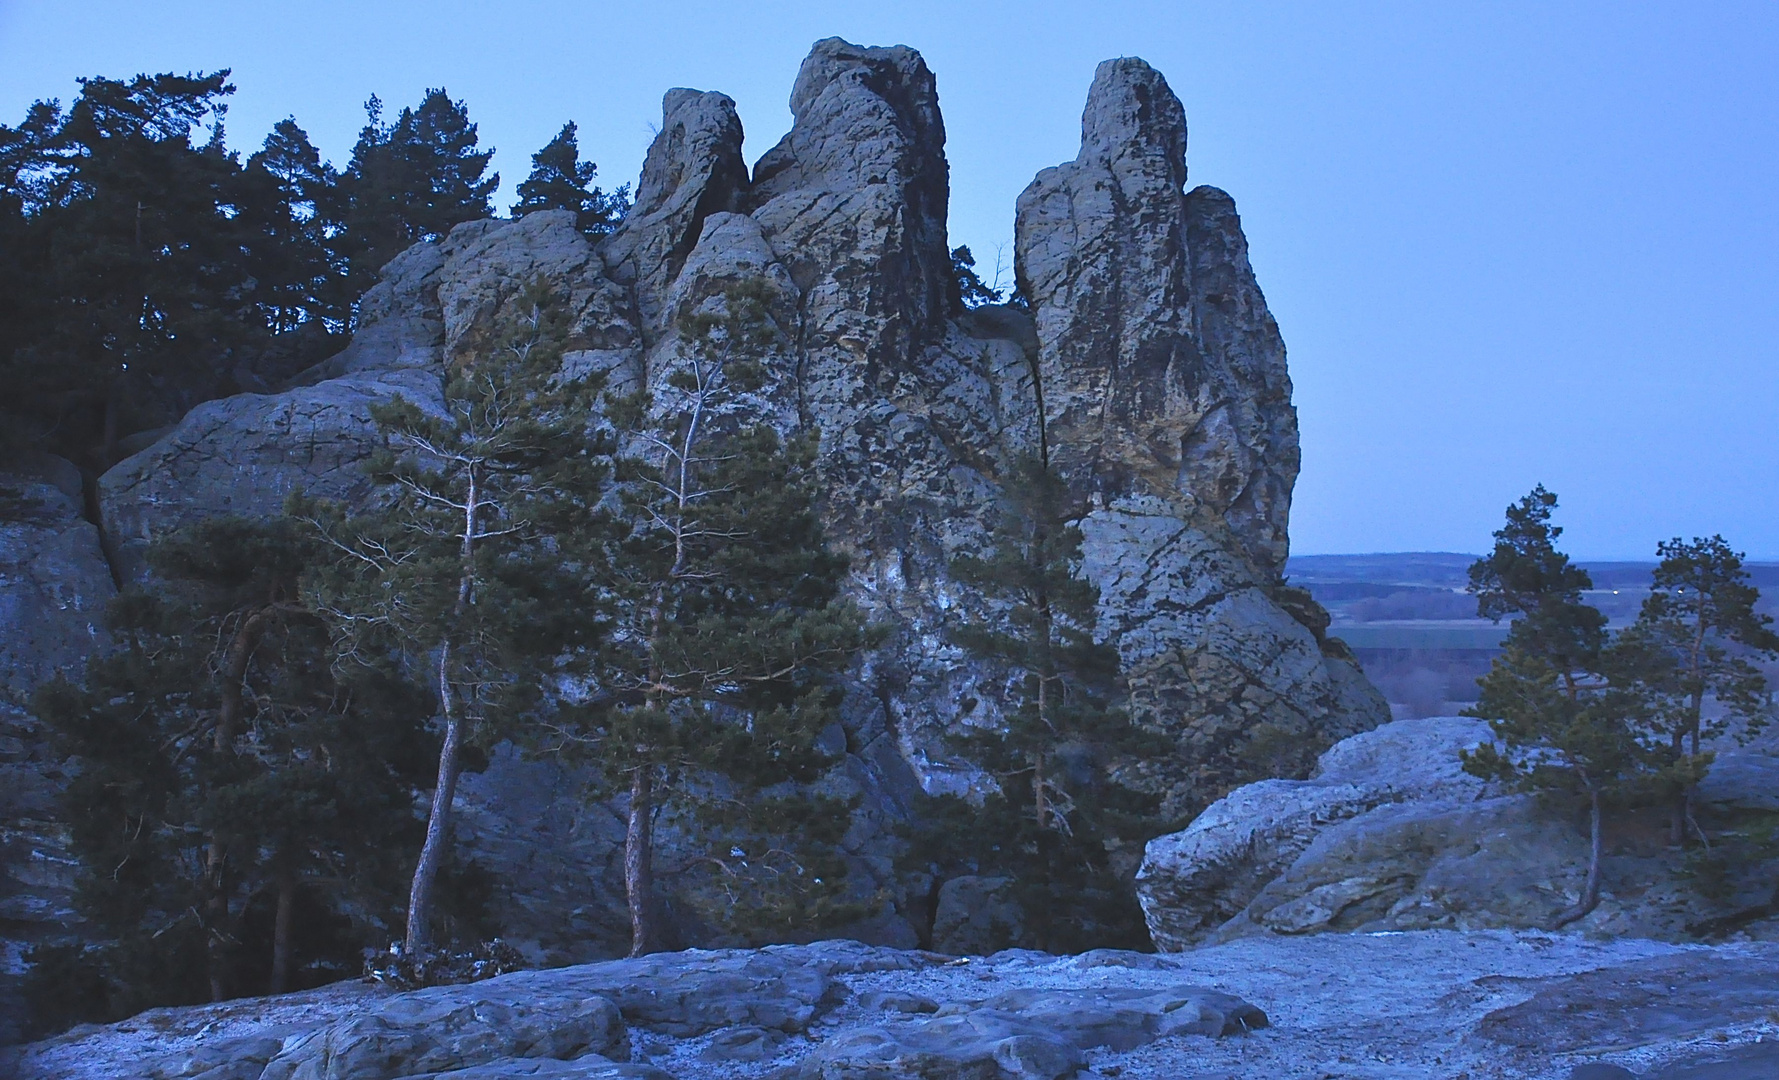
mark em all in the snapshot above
pixel 1697 639
pixel 468 569
pixel 237 801
pixel 1060 816
pixel 1563 725
pixel 727 637
pixel 560 180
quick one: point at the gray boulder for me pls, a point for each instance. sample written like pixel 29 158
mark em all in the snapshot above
pixel 1391 835
pixel 1192 882
pixel 245 455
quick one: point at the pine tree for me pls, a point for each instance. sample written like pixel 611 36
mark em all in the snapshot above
pixel 222 765
pixel 972 291
pixel 453 571
pixel 288 193
pixel 560 180
pixel 411 180
pixel 1563 726
pixel 1697 637
pixel 727 632
pixel 144 296
pixel 1060 814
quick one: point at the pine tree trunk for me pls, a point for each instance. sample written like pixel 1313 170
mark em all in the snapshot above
pixel 281 932
pixel 438 822
pixel 1590 893
pixel 216 917
pixel 1677 811
pixel 438 818
pixel 639 862
pixel 229 711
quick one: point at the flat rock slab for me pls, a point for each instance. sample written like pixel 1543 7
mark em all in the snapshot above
pixel 1628 1006
pixel 1028 1033
pixel 1758 1061
pixel 1486 1005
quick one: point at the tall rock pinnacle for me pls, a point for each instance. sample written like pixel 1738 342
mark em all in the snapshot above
pixel 1137 288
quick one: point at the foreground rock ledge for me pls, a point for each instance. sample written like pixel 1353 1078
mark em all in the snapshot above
pixel 1429 1004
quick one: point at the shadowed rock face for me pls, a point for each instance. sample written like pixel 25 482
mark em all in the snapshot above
pixel 1147 362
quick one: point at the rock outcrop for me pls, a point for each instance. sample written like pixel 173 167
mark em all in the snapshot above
pixel 1391 835
pixel 55 581
pixel 1167 402
pixel 54 578
pixel 1421 1004
pixel 1147 363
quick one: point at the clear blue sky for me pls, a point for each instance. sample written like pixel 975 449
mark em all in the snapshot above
pixel 1507 242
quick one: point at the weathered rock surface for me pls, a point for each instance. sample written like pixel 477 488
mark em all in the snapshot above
pixel 1192 882
pixel 1147 356
pixel 54 580
pixel 1391 835
pixel 974 916
pixel 54 584
pixel 1497 1004
pixel 1167 400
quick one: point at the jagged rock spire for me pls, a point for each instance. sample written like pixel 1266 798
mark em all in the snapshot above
pixel 693 169
pixel 1137 287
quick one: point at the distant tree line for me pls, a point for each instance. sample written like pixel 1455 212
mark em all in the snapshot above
pixel 148 267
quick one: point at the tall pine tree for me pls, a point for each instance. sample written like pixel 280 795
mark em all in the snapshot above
pixel 1563 725
pixel 560 180
pixel 411 180
pixel 224 769
pixel 1697 639
pixel 1060 818
pixel 453 570
pixel 727 632
pixel 143 289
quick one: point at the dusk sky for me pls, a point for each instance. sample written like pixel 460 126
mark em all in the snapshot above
pixel 1506 243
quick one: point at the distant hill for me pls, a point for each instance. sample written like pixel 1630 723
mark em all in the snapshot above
pixel 1407 618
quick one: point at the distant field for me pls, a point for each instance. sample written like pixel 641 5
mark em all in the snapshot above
pixel 1414 629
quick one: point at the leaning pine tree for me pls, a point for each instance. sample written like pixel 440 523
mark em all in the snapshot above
pixel 728 633
pixel 1563 726
pixel 452 570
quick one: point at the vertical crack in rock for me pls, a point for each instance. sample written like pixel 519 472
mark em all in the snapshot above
pixel 693 169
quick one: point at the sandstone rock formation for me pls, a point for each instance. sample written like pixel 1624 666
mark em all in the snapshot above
pixel 1421 1004
pixel 1390 834
pixel 1147 362
pixel 54 580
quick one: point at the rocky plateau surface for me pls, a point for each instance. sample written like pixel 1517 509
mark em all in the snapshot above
pixel 1425 1005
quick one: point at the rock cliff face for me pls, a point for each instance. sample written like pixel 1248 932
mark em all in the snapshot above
pixel 1147 362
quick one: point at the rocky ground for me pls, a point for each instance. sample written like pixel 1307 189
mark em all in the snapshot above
pixel 1428 1004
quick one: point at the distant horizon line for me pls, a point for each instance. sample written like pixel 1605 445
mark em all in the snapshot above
pixel 1747 559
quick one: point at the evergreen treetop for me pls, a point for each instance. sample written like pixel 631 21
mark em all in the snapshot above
pixel 560 180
